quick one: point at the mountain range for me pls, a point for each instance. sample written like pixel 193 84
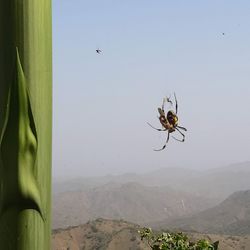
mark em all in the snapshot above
pixel 215 183
pixel 160 195
pixel 129 201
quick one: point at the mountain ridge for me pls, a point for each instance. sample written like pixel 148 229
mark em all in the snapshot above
pixel 231 216
pixel 130 201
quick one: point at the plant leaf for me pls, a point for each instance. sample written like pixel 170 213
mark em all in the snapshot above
pixel 18 149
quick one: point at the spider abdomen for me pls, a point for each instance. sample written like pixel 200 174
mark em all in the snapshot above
pixel 166 124
pixel 172 118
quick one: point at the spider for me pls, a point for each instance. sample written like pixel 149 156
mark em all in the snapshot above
pixel 169 122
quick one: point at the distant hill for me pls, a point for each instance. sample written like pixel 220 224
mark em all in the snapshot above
pixel 232 216
pixel 219 183
pixel 159 177
pixel 216 183
pixel 104 234
pixel 128 201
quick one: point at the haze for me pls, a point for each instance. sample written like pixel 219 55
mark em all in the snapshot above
pixel 150 49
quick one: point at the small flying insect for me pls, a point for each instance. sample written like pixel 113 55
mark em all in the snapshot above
pixel 169 122
pixel 98 51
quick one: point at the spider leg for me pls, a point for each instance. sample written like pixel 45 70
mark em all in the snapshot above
pixel 182 128
pixel 176 104
pixel 159 129
pixel 166 99
pixel 163 104
pixel 164 144
pixel 183 136
pixel 169 100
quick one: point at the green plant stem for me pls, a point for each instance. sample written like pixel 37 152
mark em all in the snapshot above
pixel 25 124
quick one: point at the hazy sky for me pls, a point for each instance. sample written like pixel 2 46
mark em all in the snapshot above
pixel 198 49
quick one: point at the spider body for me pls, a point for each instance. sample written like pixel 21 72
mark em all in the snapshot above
pixel 169 122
